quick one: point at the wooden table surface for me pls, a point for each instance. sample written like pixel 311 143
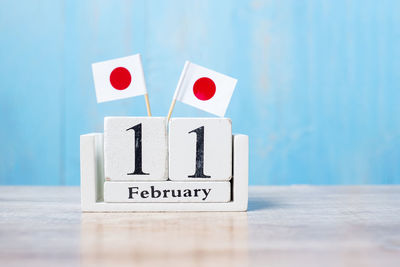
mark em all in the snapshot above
pixel 285 226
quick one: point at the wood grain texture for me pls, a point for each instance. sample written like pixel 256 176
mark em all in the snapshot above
pixel 285 226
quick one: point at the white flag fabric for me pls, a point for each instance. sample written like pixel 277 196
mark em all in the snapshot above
pixel 119 78
pixel 205 89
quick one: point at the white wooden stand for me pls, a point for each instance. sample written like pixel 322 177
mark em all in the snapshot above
pixel 92 182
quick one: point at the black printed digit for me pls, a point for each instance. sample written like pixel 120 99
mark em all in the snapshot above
pixel 199 173
pixel 138 150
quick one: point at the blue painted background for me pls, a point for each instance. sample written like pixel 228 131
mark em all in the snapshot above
pixel 318 90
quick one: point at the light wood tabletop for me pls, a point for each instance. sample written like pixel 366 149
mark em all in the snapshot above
pixel 285 226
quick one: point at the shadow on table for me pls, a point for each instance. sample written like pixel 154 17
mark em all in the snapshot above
pixel 164 239
pixel 261 203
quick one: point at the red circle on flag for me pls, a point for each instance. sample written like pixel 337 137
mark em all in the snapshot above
pixel 120 78
pixel 204 88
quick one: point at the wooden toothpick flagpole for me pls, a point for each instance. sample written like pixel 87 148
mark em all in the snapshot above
pixel 171 108
pixel 146 97
pixel 178 87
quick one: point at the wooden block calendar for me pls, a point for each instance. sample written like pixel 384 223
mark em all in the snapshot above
pixel 200 149
pixel 135 149
pixel 211 166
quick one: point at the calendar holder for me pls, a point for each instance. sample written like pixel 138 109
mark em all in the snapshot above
pixel 92 182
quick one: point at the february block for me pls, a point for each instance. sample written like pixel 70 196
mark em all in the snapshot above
pixel 135 149
pixel 200 149
pixel 167 191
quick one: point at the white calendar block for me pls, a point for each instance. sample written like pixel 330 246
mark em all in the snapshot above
pixel 92 171
pixel 92 180
pixel 135 149
pixel 168 191
pixel 200 149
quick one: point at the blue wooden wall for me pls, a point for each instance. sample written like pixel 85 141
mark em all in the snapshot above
pixel 318 90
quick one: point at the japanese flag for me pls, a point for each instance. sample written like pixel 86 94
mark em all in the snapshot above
pixel 205 89
pixel 119 78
